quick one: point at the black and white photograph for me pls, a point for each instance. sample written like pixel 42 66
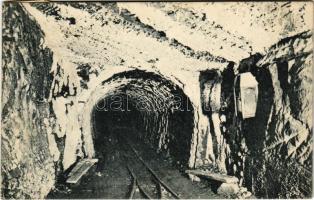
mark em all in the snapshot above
pixel 156 100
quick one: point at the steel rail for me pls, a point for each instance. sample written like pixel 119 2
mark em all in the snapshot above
pixel 135 181
pixel 138 185
pixel 153 173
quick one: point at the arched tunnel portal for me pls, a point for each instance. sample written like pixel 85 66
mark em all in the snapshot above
pixel 142 106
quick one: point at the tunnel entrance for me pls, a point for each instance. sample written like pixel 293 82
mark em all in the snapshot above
pixel 143 107
pixel 141 129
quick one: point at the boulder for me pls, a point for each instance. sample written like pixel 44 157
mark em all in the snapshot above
pixel 194 178
pixel 213 176
pixel 227 189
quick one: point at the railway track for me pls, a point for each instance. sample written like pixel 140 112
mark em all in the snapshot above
pixel 145 181
pixel 129 168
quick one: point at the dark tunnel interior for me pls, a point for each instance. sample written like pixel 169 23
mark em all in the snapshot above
pixel 148 110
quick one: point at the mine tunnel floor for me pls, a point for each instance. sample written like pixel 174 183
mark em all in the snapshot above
pixel 112 178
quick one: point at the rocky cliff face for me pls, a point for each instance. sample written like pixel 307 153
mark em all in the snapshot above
pixel 27 168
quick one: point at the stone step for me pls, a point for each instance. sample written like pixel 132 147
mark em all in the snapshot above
pixel 214 176
pixel 80 169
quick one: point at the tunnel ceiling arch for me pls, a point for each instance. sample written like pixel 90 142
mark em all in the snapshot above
pixel 165 115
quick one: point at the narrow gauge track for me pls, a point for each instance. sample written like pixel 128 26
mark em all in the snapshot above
pixel 148 183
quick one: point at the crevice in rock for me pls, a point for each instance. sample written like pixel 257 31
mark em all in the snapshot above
pixel 283 75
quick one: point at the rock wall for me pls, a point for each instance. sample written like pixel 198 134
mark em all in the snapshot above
pixel 290 65
pixel 27 167
pixel 280 137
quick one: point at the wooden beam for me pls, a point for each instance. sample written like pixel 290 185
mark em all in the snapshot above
pixel 80 169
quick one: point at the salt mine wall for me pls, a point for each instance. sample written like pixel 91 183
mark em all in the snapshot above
pixel 73 96
pixel 60 59
pixel 27 167
pixel 281 133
